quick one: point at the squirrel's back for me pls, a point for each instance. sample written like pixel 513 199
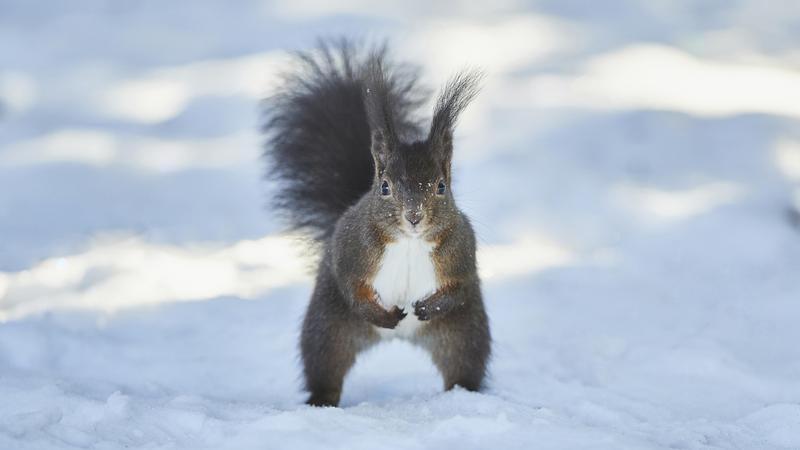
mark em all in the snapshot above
pixel 318 135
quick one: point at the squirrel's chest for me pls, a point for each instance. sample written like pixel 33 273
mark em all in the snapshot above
pixel 406 274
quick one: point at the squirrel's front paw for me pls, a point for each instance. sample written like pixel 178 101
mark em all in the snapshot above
pixel 422 310
pixel 393 317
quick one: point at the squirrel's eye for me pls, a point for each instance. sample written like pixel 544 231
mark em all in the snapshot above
pixel 385 188
pixel 440 189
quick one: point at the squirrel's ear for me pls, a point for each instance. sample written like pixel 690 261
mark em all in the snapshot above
pixel 456 95
pixel 380 111
pixel 443 149
pixel 380 150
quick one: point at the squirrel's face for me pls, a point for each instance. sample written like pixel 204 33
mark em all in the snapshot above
pixel 412 189
pixel 412 181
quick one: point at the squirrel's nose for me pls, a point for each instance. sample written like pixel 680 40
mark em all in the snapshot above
pixel 414 216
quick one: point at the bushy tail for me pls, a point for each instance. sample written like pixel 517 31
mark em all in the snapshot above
pixel 318 136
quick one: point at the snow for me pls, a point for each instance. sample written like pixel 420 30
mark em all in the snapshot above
pixel 631 171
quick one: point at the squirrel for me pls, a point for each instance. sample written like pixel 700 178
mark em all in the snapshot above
pixel 398 256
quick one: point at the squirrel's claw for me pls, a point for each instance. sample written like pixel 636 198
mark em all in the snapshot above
pixel 393 317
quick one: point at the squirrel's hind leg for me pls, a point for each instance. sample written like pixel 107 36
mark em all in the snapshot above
pixel 332 337
pixel 460 345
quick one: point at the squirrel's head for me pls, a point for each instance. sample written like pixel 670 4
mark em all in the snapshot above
pixel 412 181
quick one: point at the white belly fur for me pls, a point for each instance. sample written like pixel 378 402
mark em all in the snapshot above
pixel 405 275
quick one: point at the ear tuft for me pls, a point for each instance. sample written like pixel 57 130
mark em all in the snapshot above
pixel 378 99
pixel 455 96
pixel 378 102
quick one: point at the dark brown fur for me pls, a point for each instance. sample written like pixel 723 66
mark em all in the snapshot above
pixel 345 310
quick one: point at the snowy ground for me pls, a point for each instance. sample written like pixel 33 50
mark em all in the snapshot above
pixel 632 170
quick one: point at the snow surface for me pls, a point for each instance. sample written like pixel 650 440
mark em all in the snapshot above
pixel 632 170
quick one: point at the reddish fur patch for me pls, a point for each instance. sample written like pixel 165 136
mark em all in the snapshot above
pixel 365 292
pixel 382 237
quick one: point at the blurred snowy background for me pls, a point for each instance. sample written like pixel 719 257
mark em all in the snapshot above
pixel 632 169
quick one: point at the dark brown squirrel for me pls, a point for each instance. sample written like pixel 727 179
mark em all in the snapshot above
pixel 354 170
